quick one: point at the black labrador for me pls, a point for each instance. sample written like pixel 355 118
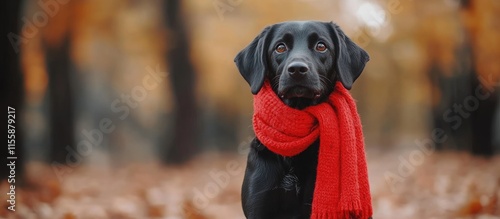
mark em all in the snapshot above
pixel 302 60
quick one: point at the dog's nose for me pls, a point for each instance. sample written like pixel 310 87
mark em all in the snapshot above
pixel 297 69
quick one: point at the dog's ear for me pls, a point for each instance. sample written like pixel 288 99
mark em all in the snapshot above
pixel 350 59
pixel 252 61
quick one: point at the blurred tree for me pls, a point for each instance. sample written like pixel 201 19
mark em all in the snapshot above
pixel 182 75
pixel 479 19
pixel 465 98
pixel 450 90
pixel 58 63
pixel 12 83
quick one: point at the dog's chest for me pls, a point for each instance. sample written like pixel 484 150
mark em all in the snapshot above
pixel 299 170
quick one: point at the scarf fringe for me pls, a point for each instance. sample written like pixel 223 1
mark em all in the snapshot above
pixel 341 215
pixel 348 210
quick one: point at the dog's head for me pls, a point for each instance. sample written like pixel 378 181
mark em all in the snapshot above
pixel 302 60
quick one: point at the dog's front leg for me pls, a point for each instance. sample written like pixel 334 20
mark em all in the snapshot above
pixel 261 196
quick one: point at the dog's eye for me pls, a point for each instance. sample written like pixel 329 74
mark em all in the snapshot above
pixel 281 48
pixel 321 47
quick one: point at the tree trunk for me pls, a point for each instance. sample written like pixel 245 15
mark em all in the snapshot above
pixel 471 126
pixel 182 76
pixel 60 101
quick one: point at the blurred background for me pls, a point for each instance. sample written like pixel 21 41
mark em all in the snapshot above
pixel 135 109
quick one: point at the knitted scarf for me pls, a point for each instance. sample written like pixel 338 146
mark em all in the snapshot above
pixel 341 189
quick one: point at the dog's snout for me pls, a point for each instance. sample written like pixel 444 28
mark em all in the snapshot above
pixel 297 69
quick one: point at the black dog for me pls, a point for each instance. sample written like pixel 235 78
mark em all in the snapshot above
pixel 302 60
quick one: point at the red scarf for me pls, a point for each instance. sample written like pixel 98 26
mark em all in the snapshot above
pixel 341 188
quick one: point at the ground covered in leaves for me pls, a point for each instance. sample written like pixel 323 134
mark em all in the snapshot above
pixel 404 184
